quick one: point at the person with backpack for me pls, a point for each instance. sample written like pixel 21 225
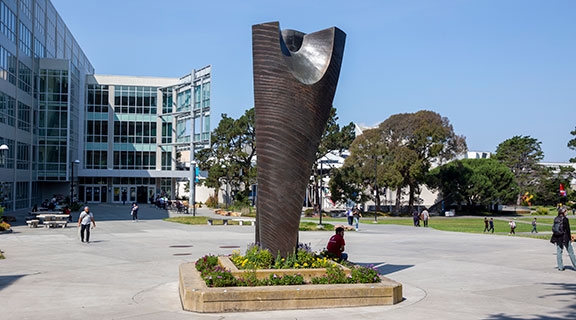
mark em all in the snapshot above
pixel 562 237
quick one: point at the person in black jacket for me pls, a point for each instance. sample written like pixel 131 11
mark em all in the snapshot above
pixel 563 239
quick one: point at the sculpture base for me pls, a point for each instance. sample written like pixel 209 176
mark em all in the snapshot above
pixel 196 296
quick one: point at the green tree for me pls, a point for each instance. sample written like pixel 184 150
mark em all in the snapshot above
pixel 521 155
pixel 572 144
pixel 334 138
pixel 474 181
pixel 547 192
pixel 416 140
pixel 399 153
pixel 231 155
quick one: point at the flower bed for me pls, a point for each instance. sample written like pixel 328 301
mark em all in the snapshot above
pixel 256 281
pixel 258 268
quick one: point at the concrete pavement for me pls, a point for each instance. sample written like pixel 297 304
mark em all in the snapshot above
pixel 130 271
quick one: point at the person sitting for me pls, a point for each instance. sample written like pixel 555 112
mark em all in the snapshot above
pixel 35 208
pixel 67 211
pixel 335 247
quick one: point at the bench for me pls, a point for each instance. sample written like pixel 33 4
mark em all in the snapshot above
pixel 56 223
pixel 224 221
pixel 33 223
pixel 241 221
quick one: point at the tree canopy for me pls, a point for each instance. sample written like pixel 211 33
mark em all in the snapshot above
pixel 474 181
pixel 398 154
pixel 231 154
pixel 572 144
pixel 521 154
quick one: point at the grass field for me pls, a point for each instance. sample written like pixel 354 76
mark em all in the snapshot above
pixel 452 224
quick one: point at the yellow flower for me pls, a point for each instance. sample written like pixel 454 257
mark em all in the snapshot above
pixel 305 264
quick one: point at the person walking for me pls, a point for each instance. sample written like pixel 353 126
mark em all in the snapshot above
pixel 562 238
pixel 486 228
pixel 84 224
pixel 416 218
pixel 512 225
pixel 357 215
pixel 534 226
pixel 134 212
pixel 491 223
pixel 424 216
pixel 350 216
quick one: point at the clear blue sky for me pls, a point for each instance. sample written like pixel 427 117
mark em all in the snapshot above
pixel 494 68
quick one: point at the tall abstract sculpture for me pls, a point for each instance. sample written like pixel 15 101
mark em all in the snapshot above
pixel 295 78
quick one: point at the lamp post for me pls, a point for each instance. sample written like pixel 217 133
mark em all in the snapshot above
pixel 226 186
pixel 75 162
pixel 321 186
pixel 3 149
pixel 376 196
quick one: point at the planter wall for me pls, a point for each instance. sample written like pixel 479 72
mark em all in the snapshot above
pixel 196 296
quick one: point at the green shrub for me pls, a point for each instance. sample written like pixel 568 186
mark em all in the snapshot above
pixel 365 275
pixel 542 211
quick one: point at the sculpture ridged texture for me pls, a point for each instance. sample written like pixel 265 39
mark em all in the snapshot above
pixel 295 78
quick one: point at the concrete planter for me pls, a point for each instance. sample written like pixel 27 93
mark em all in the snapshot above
pixel 307 274
pixel 196 296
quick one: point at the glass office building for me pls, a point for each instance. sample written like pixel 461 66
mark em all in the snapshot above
pixel 70 132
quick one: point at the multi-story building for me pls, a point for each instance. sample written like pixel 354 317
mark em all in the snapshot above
pixel 66 131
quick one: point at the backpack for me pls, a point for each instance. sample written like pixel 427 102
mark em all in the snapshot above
pixel 558 226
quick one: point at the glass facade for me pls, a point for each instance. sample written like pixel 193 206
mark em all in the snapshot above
pixel 128 133
pixel 39 101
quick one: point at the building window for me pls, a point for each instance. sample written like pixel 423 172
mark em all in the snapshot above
pixel 7 66
pixel 96 159
pixel 97 131
pixel 134 132
pixel 167 100
pixel 24 117
pixel 166 132
pixel 7 109
pixel 167 160
pixel 23 156
pixel 7 22
pixel 25 43
pixel 24 78
pixel 135 100
pixel 184 101
pixel 135 160
pixel 97 99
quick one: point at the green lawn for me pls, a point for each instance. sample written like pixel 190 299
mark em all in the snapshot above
pixel 464 224
pixel 454 224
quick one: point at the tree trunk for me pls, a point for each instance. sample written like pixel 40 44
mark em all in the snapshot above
pixel 377 198
pixel 398 198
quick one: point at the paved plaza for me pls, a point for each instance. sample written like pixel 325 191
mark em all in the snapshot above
pixel 130 271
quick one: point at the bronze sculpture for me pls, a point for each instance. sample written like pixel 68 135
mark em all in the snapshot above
pixel 295 78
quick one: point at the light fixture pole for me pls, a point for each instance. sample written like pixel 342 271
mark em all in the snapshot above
pixel 75 162
pixel 321 187
pixel 3 149
pixel 376 201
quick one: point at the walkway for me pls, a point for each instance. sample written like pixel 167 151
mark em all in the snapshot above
pixel 130 271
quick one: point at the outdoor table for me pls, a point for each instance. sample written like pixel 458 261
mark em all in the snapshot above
pixel 53 220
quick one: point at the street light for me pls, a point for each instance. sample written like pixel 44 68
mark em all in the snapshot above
pixel 72 181
pixel 3 149
pixel 2 156
pixel 227 182
pixel 321 187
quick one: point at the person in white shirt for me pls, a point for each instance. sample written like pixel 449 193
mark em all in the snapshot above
pixel 424 216
pixel 84 224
